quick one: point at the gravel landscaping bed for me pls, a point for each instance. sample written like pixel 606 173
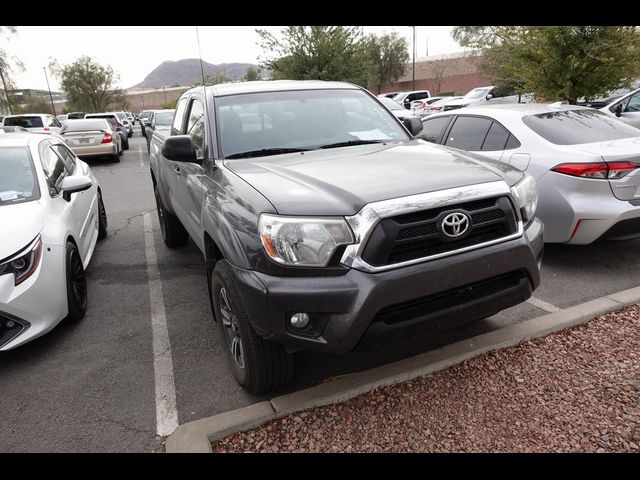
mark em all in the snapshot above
pixel 577 390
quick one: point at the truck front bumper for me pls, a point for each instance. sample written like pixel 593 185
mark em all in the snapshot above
pixel 431 295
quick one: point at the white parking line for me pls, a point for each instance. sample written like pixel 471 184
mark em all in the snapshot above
pixel 166 410
pixel 140 155
pixel 543 305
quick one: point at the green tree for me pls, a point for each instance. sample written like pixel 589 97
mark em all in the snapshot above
pixel 251 75
pixel 557 62
pixel 88 85
pixel 388 55
pixel 316 53
pixel 213 79
pixel 119 101
pixel 170 104
pixel 34 104
pixel 8 66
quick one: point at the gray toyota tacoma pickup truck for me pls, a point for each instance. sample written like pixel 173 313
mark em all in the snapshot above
pixel 324 223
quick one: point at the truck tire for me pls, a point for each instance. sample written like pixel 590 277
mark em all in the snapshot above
pixel 257 364
pixel 173 233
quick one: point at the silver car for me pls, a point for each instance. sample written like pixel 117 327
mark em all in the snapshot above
pixel 93 137
pixel 584 161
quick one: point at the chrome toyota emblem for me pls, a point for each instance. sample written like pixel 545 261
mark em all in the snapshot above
pixel 455 224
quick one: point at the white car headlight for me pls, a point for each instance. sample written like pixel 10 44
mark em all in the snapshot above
pixel 302 241
pixel 527 194
pixel 25 263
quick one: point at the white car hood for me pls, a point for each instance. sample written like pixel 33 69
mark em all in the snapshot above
pixel 19 224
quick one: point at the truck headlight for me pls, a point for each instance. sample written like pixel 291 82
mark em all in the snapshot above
pixel 527 194
pixel 302 241
pixel 25 264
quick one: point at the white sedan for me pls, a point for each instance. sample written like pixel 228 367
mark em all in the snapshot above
pixel 586 163
pixel 51 216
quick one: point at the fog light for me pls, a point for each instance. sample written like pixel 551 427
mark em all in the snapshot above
pixel 299 320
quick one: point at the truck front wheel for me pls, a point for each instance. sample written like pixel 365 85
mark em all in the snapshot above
pixel 257 364
pixel 173 233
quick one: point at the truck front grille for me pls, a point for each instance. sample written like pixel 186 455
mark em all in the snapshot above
pixel 420 234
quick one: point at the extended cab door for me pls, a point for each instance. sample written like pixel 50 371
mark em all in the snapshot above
pixel 189 190
pixel 165 169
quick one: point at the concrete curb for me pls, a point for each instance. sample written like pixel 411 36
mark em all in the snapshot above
pixel 196 436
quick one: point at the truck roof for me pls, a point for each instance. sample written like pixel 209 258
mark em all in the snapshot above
pixel 223 89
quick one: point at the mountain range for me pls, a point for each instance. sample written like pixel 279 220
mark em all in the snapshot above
pixel 187 72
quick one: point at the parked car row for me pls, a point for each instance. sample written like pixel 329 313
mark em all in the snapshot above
pixel 326 217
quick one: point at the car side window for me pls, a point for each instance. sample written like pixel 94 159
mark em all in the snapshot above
pixel 420 96
pixel 432 128
pixel 176 128
pixel 468 133
pixel 195 126
pixel 496 139
pixel 67 157
pixel 634 103
pixel 54 169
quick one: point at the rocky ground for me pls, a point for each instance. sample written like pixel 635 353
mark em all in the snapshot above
pixel 577 390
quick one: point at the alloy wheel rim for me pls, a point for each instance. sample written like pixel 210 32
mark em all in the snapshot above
pixel 78 279
pixel 102 212
pixel 231 329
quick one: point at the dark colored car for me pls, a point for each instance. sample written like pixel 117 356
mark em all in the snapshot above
pixel 325 225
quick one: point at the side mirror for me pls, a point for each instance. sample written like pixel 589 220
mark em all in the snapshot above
pixel 489 96
pixel 73 184
pixel 413 124
pixel 179 148
pixel 618 110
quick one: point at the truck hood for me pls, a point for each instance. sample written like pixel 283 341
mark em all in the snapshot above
pixel 341 181
pixel 19 224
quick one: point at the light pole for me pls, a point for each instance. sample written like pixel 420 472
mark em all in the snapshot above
pixel 165 95
pixel 49 88
pixel 413 51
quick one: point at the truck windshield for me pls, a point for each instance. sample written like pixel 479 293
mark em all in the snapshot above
pixel 302 120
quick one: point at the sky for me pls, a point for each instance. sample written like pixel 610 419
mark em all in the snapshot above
pixel 141 49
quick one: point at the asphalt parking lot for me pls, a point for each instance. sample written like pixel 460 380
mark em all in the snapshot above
pixel 108 383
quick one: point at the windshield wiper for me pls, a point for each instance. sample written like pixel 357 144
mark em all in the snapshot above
pixel 348 143
pixel 263 152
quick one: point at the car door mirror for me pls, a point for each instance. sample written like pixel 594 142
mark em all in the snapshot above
pixel 618 110
pixel 489 96
pixel 413 124
pixel 73 184
pixel 179 148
